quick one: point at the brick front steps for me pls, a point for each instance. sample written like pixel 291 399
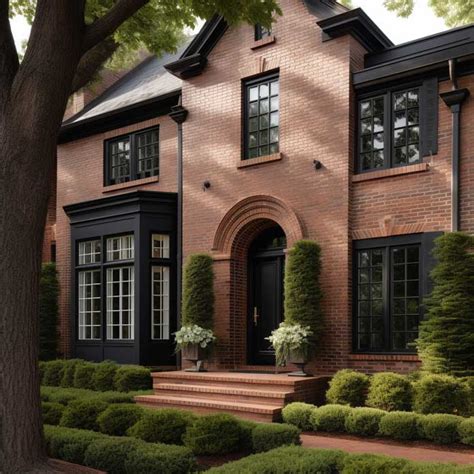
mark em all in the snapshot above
pixel 415 451
pixel 252 396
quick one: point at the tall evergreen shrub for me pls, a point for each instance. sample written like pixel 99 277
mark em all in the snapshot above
pixel 302 286
pixel 446 341
pixel 48 312
pixel 198 291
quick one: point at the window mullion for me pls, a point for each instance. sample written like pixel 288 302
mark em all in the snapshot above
pixel 387 277
pixel 388 131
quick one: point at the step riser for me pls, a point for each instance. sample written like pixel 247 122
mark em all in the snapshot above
pixel 208 410
pixel 277 402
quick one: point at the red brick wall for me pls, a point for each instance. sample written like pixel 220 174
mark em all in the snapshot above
pixel 80 178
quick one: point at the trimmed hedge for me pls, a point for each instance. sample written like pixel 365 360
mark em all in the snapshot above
pixel 198 291
pixel 53 372
pixel 103 377
pixel 364 421
pixel 214 434
pixel 66 395
pixel 330 417
pixel 348 387
pixel 51 412
pixel 132 377
pixel 466 431
pixel 389 391
pixel 166 425
pixel 117 419
pixel 298 414
pixel 117 455
pixel 84 376
pixel 270 436
pixel 400 425
pixel 442 429
pixel 69 372
pixel 83 414
pixel 441 394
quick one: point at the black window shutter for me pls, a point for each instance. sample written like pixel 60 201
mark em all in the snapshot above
pixel 429 117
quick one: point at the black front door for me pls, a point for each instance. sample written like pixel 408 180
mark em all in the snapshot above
pixel 266 267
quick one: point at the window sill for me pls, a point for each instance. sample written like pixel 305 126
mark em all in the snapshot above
pixel 263 42
pixel 370 175
pixel 259 160
pixel 387 357
pixel 130 184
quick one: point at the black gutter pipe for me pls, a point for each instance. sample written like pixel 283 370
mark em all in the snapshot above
pixel 454 99
pixel 178 114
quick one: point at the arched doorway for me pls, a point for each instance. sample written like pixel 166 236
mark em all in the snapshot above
pixel 266 265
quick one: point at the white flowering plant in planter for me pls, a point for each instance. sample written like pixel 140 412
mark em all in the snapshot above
pixel 290 339
pixel 194 335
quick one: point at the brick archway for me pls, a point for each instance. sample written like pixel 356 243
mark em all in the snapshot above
pixel 236 232
pixel 249 212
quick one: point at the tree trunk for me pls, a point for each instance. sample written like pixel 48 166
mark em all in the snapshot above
pixel 29 123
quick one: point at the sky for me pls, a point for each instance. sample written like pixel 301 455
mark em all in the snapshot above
pixel 422 22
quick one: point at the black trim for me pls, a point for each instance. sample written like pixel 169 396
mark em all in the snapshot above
pixel 358 24
pixel 194 58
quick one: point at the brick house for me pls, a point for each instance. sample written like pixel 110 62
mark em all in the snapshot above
pixel 319 129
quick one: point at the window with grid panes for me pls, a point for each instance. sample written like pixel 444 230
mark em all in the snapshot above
pixel 120 248
pixel 262 117
pixel 387 298
pixel 261 32
pixel 389 130
pixel 131 157
pixel 89 252
pixel 160 321
pixel 89 305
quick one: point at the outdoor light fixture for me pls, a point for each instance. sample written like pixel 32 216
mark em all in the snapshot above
pixel 317 165
pixel 206 185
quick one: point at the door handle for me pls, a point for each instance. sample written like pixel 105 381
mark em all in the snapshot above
pixel 255 315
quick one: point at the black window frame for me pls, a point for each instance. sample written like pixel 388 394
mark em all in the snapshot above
pixel 424 242
pixel 387 93
pixel 261 32
pixel 134 159
pixel 246 85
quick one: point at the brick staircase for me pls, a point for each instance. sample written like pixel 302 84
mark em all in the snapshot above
pixel 259 397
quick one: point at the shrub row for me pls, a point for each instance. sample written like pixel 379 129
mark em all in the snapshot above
pixel 365 421
pixel 297 460
pixel 66 395
pixel 205 435
pixel 394 392
pixel 116 455
pixel 101 376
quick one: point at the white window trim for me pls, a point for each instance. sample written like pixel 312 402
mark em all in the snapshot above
pixel 162 313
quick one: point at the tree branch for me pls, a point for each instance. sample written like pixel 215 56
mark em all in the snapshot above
pixel 92 61
pixel 107 24
pixel 8 55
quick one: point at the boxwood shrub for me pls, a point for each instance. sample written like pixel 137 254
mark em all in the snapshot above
pixel 389 391
pixel 51 412
pixel 83 414
pixel 330 417
pixel 103 377
pixel 364 421
pixel 298 414
pixel 84 376
pixel 372 463
pixel 53 372
pixel 160 458
pixel 70 366
pixel 247 428
pixel 214 434
pixel 348 387
pixel 267 436
pixel 109 454
pixel 166 425
pixel 466 431
pixel 441 394
pixel 131 377
pixel 440 428
pixel 400 425
pixel 117 419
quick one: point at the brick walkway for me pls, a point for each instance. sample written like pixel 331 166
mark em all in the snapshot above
pixel 416 452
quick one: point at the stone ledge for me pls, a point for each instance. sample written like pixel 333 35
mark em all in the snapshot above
pixel 259 160
pixel 130 184
pixel 385 357
pixel 263 42
pixel 368 176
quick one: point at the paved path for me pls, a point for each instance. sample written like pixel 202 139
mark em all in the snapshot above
pixel 416 452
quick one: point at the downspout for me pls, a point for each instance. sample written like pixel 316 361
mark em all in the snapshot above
pixel 454 99
pixel 178 114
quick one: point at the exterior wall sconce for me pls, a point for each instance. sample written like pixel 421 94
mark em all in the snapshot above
pixel 206 185
pixel 317 165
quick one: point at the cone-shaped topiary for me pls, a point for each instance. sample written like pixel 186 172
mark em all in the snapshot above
pixel 302 287
pixel 446 341
pixel 198 291
pixel 48 312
